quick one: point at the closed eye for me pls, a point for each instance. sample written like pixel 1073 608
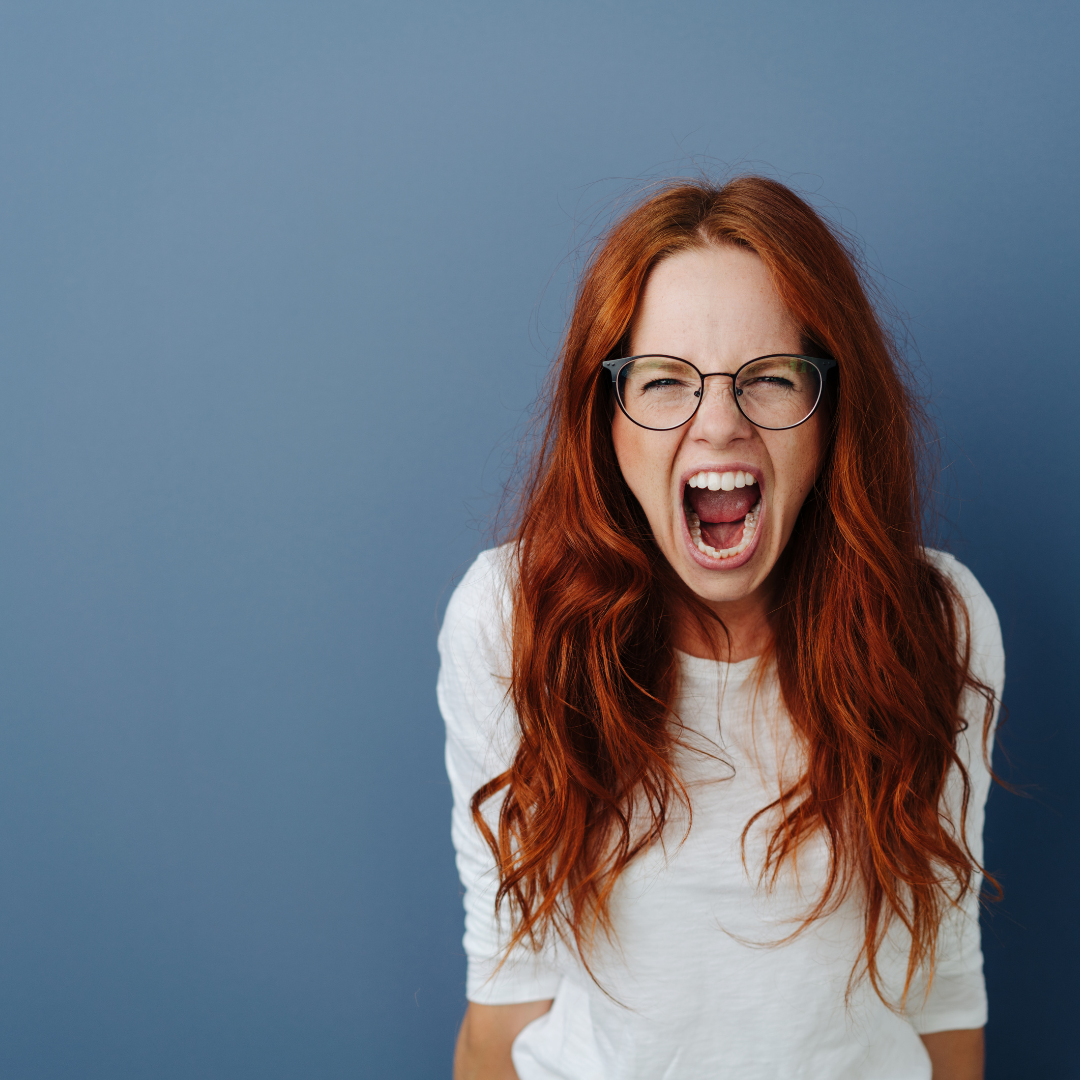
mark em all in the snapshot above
pixel 774 381
pixel 662 384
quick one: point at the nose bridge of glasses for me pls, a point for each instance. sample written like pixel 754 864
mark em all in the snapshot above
pixel 725 381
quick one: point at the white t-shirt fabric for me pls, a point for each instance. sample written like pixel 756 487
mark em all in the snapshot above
pixel 703 977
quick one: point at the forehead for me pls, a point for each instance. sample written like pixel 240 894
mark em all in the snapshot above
pixel 715 296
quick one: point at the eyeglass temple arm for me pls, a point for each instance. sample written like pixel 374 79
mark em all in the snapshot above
pixel 613 368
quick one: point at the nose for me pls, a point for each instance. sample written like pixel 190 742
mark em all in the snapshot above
pixel 718 419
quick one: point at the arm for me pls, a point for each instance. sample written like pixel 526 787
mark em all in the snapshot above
pixel 505 991
pixel 951 1016
pixel 955 1055
pixel 486 1036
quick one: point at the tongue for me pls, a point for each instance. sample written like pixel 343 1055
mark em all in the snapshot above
pixel 722 513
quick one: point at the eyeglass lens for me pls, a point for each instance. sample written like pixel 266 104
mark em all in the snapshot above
pixel 774 392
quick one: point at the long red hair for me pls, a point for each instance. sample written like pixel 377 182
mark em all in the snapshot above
pixel 869 641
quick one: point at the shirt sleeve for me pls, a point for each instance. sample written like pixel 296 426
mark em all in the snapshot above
pixel 957 995
pixel 481 734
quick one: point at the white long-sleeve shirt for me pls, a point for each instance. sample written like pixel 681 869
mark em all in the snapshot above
pixel 699 981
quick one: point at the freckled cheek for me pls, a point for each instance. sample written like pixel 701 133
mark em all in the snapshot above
pixel 654 495
pixel 795 456
pixel 790 499
pixel 646 461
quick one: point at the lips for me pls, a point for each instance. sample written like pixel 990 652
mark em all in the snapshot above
pixel 722 509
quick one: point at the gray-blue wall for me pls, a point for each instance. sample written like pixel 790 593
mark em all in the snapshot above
pixel 277 281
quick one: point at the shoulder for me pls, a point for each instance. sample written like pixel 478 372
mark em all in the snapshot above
pixel 987 648
pixel 475 635
pixel 474 669
pixel 481 604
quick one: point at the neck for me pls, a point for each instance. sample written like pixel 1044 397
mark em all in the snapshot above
pixel 747 623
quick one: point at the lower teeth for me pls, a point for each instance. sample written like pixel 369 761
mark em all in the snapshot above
pixel 749 525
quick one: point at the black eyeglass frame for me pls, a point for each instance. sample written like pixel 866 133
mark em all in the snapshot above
pixel 823 365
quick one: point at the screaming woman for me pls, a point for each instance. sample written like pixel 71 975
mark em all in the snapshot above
pixel 718 723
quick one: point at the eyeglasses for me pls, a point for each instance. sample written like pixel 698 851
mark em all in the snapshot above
pixel 773 392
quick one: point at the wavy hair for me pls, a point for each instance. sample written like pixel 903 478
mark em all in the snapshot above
pixel 869 639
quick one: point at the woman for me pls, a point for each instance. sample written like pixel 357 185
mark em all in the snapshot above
pixel 717 722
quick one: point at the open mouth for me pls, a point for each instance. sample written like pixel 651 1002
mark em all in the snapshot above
pixel 722 512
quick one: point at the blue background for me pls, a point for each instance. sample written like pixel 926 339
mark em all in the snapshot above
pixel 278 282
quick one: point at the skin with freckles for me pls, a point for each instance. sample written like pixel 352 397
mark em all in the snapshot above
pixel 716 307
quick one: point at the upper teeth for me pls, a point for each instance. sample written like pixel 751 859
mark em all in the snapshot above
pixel 727 481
